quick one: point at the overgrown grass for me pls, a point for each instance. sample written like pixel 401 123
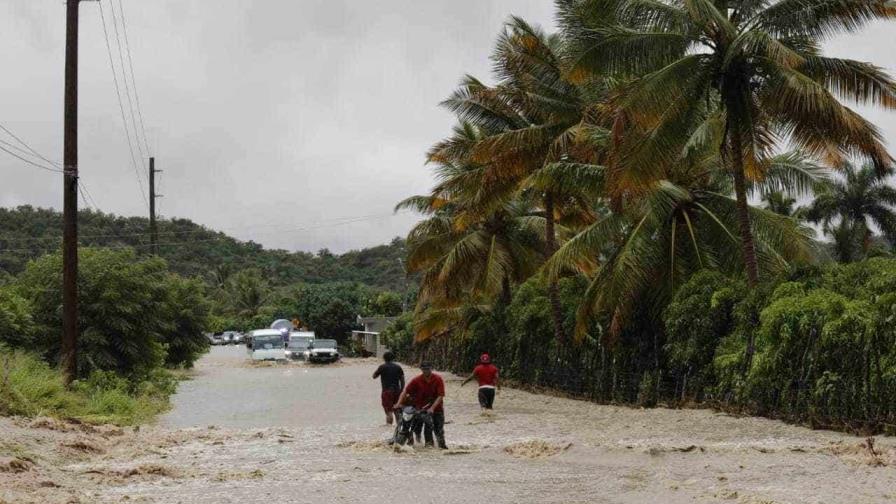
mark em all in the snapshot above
pixel 29 387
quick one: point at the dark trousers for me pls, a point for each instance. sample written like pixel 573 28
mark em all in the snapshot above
pixel 486 398
pixel 435 424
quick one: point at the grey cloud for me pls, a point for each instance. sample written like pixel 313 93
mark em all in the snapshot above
pixel 271 118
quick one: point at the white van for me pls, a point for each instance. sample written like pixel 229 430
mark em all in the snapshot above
pixel 266 344
pixel 299 341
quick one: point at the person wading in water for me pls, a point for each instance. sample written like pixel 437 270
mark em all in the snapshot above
pixel 486 374
pixel 392 380
pixel 427 392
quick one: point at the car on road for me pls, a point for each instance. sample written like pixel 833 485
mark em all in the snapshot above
pixel 232 337
pixel 322 351
pixel 216 338
pixel 298 344
pixel 266 344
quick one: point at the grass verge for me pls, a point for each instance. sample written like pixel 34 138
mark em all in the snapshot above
pixel 30 387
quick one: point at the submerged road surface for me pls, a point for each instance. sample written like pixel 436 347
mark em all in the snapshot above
pixel 240 433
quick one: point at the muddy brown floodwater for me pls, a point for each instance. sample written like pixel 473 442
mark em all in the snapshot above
pixel 242 433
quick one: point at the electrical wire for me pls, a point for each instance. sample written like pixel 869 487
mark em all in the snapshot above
pixel 82 187
pixel 127 43
pixel 121 105
pixel 32 163
pixel 207 240
pixel 124 80
pixel 322 223
pixel 30 149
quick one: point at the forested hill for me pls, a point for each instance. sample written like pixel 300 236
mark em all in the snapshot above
pixel 194 250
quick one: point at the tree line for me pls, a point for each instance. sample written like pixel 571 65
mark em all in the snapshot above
pixel 615 213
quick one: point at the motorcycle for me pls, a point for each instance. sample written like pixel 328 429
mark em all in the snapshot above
pixel 411 422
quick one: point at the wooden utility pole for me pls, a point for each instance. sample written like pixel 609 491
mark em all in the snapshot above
pixel 153 231
pixel 69 357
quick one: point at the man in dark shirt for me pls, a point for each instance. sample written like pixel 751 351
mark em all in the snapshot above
pixel 392 380
pixel 427 392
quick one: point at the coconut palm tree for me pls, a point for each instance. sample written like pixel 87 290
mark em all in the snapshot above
pixel 467 249
pixel 759 66
pixel 683 224
pixel 852 205
pixel 532 119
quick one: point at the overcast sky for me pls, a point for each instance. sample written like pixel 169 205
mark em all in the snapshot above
pixel 268 117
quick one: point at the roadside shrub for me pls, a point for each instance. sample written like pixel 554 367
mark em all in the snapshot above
pixel 187 317
pixel 16 321
pixel 399 337
pixel 696 320
pixel 134 316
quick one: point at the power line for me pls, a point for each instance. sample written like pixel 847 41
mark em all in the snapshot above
pixel 30 149
pixel 124 80
pixel 121 105
pixel 127 43
pixel 89 196
pixel 84 197
pixel 318 225
pixel 207 240
pixel 32 163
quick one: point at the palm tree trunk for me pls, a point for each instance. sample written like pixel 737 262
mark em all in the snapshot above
pixel 550 248
pixel 736 159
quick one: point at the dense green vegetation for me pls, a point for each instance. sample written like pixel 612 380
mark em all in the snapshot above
pixel 137 320
pixel 192 250
pixel 616 215
pixel 141 315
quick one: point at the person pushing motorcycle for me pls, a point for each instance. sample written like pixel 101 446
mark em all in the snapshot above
pixel 427 392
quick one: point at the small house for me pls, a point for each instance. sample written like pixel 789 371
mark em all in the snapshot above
pixel 369 338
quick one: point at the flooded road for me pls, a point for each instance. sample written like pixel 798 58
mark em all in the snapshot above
pixel 313 434
pixel 230 391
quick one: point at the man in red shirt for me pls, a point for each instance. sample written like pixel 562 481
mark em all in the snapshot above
pixel 486 374
pixel 427 392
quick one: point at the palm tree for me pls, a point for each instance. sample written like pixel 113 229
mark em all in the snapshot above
pixel 465 249
pixel 853 203
pixel 780 203
pixel 533 119
pixel 684 223
pixel 759 63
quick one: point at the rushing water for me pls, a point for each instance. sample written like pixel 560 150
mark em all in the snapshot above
pixel 314 434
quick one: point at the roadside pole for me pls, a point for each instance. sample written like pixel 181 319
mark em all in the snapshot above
pixel 69 358
pixel 153 230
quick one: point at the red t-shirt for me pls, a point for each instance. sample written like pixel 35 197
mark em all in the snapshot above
pixel 423 393
pixel 486 375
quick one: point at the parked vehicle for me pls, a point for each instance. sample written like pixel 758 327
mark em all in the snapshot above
pixel 322 351
pixel 216 338
pixel 266 344
pixel 299 342
pixel 232 337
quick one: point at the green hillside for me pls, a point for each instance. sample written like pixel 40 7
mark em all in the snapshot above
pixel 27 232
